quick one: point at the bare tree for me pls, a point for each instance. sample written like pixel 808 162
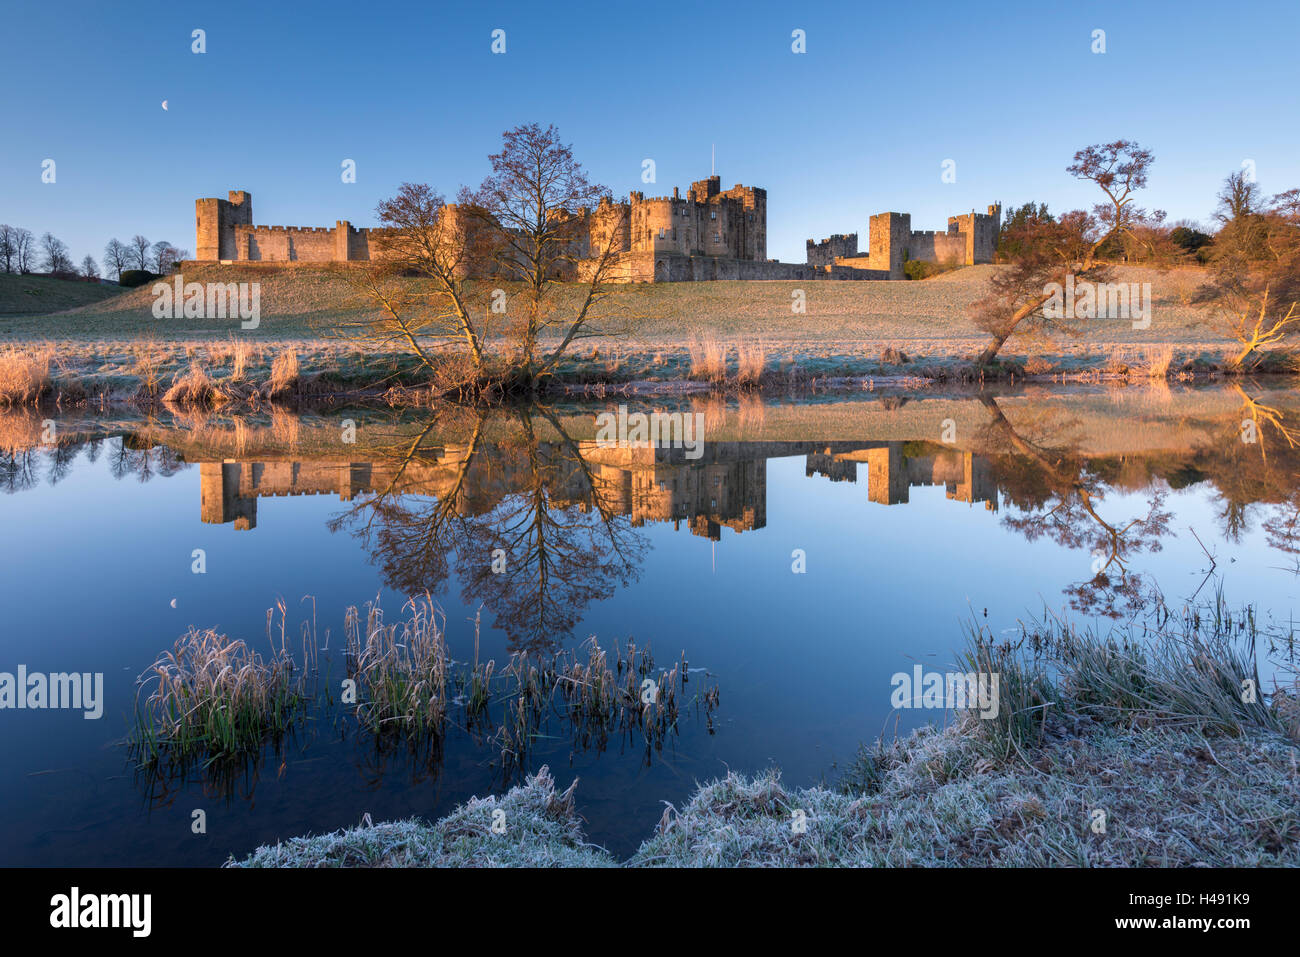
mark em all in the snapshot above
pixel 116 258
pixel 528 225
pixel 426 236
pixel 7 249
pixel 163 256
pixel 24 247
pixel 1239 197
pixel 540 198
pixel 1018 296
pixel 139 248
pixel 57 259
pixel 89 268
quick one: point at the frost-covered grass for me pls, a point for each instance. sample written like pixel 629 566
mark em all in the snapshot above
pixel 1170 798
pixel 1107 751
pixel 541 829
pixel 918 330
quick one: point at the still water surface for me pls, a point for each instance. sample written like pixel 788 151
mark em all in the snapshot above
pixel 807 555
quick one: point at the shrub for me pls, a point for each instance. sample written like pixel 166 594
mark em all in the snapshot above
pixel 136 277
pixel 920 269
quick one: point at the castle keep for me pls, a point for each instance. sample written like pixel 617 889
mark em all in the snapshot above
pixel 709 233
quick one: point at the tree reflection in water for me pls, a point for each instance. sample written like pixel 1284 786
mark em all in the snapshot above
pixel 528 525
pixel 1059 495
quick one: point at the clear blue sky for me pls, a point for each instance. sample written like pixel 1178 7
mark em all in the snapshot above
pixel 860 123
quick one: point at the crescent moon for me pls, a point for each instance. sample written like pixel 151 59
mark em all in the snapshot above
pixel 164 104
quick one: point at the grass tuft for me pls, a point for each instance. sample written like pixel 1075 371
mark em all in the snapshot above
pixel 214 696
pixel 25 374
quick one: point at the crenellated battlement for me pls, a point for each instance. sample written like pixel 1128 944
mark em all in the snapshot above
pixel 708 233
pixel 970 239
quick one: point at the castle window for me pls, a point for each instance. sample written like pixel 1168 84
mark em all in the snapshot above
pixel 662 232
pixel 717 237
pixel 713 214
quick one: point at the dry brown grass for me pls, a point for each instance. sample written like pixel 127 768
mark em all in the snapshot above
pixel 284 373
pixel 751 361
pixel 892 356
pixel 25 373
pixel 235 351
pixel 195 387
pixel 1156 361
pixel 708 360
pixel 149 360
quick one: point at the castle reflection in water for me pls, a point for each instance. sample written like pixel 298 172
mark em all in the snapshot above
pixel 726 486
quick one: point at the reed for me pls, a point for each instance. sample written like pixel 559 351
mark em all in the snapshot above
pixel 409 687
pixel 401 669
pixel 149 359
pixel 214 696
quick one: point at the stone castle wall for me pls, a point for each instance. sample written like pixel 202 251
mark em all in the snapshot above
pixel 839 246
pixel 709 234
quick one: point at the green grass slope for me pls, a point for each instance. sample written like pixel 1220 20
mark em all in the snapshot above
pixel 41 295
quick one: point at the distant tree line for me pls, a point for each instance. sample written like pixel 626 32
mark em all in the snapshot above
pixel 22 252
pixel 1243 223
pixel 1252 251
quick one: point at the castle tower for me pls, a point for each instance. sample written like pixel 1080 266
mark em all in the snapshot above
pixel 890 233
pixel 705 189
pixel 980 232
pixel 215 221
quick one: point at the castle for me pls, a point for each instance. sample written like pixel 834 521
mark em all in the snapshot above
pixel 710 233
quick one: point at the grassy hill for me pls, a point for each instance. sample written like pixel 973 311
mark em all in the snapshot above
pixel 924 317
pixel 41 295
